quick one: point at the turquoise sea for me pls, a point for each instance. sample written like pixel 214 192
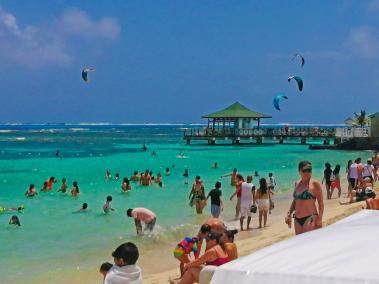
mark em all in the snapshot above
pixel 52 238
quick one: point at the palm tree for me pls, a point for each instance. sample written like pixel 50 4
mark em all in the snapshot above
pixel 360 119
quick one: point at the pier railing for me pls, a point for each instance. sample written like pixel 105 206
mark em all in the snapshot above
pixel 342 132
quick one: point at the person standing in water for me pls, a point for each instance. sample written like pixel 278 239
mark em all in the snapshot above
pixel 216 200
pixel 75 189
pixel 185 175
pixel 107 206
pixel 31 192
pixel 197 195
pixel 63 188
pixel 239 181
pixel 142 215
pixel 232 177
pixel 307 193
pixel 125 186
pixel 247 196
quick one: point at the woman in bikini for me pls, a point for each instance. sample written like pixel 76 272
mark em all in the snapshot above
pixel 197 195
pixel 307 191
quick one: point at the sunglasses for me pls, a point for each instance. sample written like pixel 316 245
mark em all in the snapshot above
pixel 306 170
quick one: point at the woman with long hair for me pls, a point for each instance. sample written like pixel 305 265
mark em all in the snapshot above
pixel 306 195
pixel 335 181
pixel 262 196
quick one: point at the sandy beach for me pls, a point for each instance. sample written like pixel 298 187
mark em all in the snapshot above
pixel 277 230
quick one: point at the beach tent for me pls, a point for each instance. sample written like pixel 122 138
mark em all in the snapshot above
pixel 346 252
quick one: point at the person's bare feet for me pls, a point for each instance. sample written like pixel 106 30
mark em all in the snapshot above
pixel 249 229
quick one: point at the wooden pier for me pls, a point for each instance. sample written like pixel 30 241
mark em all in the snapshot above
pixel 238 124
pixel 259 135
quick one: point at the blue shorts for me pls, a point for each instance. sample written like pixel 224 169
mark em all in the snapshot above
pixel 215 210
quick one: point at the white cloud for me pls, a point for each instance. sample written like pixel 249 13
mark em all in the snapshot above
pixel 373 6
pixel 36 46
pixel 363 42
pixel 77 23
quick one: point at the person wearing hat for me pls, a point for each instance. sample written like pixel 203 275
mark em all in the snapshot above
pixel 197 195
pixel 124 269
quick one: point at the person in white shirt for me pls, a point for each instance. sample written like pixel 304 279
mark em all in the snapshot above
pixel 247 196
pixel 125 270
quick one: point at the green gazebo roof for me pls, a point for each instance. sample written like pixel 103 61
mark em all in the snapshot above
pixel 236 110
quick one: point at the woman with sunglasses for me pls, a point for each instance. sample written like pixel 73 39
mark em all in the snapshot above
pixel 215 254
pixel 307 191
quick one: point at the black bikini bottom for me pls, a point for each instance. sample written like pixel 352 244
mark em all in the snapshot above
pixel 302 220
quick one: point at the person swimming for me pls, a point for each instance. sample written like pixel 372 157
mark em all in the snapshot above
pixel 31 192
pixel 83 209
pixel 14 221
pixel 108 175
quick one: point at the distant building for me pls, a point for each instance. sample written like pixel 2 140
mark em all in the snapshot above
pixel 374 124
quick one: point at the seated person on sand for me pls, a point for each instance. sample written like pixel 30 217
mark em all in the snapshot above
pixel 364 191
pixel 142 215
pixel 215 254
pixel 217 225
pixel 230 245
pixel 190 245
pixel 124 269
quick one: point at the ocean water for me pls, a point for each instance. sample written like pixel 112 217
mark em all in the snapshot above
pixel 52 238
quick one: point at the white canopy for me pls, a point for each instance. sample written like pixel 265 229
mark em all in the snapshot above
pixel 343 253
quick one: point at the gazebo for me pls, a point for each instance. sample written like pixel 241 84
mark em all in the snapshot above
pixel 235 116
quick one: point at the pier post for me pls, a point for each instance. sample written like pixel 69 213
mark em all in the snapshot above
pixel 337 140
pixel 259 140
pixel 281 140
pixel 188 141
pixel 303 140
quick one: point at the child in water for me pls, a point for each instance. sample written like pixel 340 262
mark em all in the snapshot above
pixel 168 172
pixel 31 192
pixel 63 188
pixel 75 189
pixel 83 209
pixel 185 175
pixel 107 206
pixel 14 221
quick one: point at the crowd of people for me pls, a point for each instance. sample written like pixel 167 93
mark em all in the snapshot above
pixel 306 210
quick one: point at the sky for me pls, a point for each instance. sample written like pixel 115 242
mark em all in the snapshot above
pixel 173 61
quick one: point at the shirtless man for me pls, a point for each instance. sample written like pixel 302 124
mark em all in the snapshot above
pixel 232 177
pixel 145 179
pixel 142 215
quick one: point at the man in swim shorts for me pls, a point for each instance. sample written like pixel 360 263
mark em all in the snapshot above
pixel 142 215
pixel 247 196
